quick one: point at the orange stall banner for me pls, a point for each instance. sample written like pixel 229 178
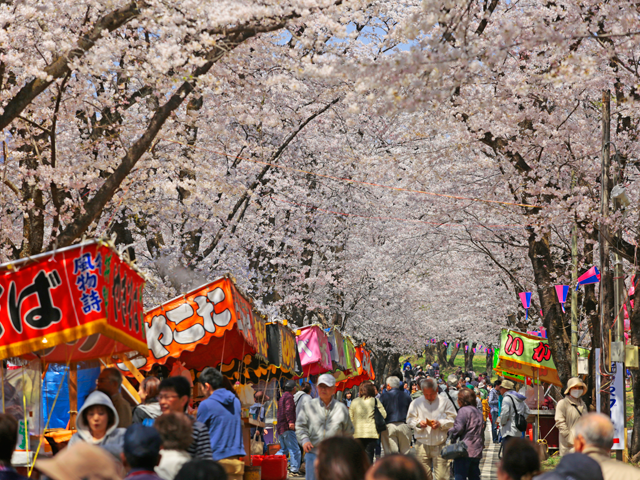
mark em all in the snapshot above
pixel 77 303
pixel 211 324
pixel 364 370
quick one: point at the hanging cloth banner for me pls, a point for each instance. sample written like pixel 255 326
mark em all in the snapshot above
pixel 364 371
pixel 590 276
pixel 78 303
pixel 336 345
pixel 349 355
pixel 315 354
pixel 525 298
pixel 283 360
pixel 562 291
pixel 527 356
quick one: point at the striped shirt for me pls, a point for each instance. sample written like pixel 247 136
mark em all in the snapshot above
pixel 201 445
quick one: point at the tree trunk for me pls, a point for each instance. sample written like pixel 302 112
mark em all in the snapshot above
pixel 442 353
pixel 454 354
pixel 489 363
pixel 429 354
pixel 553 319
pixel 590 305
pixel 468 357
pixel 383 364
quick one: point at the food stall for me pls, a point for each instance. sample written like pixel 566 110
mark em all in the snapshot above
pixel 526 358
pixel 211 325
pixel 70 305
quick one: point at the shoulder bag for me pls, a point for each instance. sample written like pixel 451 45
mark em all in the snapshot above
pixel 381 425
pixel 451 400
pixel 455 450
pixel 577 409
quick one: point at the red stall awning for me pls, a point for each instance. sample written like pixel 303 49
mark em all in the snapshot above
pixel 211 324
pixel 78 303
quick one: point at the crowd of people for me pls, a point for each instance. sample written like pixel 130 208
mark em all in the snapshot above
pixel 382 433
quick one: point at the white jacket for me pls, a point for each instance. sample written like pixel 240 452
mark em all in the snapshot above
pixel 441 409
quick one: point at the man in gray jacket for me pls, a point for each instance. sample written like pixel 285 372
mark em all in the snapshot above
pixel 321 418
pixel 512 402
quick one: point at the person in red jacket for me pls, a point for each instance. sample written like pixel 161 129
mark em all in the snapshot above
pixel 287 427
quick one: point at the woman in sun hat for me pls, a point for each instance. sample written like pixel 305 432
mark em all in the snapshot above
pixel 568 412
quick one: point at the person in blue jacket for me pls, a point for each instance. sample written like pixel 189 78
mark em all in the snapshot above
pixel 220 412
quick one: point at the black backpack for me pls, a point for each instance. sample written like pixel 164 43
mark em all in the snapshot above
pixel 519 420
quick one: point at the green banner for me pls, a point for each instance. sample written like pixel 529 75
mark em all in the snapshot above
pixel 525 355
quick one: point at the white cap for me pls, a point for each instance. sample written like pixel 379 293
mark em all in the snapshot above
pixel 327 379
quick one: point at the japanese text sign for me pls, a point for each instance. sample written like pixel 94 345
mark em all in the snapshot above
pixel 199 316
pixel 529 356
pixel 54 299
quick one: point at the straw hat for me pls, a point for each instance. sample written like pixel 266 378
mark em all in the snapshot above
pixel 80 461
pixel 575 382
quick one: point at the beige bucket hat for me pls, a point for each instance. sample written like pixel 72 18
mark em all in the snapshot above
pixel 508 384
pixel 574 382
pixel 80 461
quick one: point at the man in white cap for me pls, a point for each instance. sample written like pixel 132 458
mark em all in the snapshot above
pixel 321 418
pixel 568 412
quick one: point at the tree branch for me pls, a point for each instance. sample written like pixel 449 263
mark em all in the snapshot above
pixel 247 194
pixel 60 66
pixel 94 206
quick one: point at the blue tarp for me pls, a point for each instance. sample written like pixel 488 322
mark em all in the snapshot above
pixel 55 374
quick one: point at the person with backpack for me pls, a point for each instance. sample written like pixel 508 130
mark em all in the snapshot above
pixel 513 417
pixel 568 411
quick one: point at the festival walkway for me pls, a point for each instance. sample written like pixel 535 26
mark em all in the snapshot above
pixel 489 464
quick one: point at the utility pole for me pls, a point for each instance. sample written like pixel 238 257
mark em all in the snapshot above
pixel 619 292
pixel 605 321
pixel 574 292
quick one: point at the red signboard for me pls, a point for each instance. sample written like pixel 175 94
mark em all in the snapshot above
pixel 51 301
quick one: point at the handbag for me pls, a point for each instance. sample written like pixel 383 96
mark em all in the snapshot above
pixel 455 450
pixel 381 425
pixel 257 445
pixel 543 450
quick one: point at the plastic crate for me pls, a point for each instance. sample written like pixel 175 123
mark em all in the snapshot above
pixel 274 467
